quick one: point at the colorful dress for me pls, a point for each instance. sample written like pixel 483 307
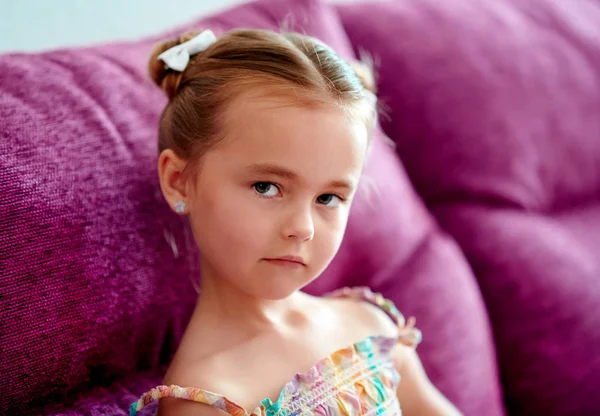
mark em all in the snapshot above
pixel 357 380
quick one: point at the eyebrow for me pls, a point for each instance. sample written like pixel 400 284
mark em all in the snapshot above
pixel 271 169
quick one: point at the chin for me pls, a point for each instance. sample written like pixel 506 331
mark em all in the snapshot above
pixel 277 292
pixel 279 288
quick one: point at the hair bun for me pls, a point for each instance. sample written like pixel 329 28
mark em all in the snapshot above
pixel 364 72
pixel 164 77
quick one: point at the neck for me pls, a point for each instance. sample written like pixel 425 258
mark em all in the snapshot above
pixel 227 303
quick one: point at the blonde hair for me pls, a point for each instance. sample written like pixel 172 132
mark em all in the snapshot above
pixel 299 66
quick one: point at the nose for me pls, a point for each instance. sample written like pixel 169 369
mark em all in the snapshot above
pixel 300 225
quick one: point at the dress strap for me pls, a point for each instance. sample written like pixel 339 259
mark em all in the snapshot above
pixel 193 394
pixel 407 333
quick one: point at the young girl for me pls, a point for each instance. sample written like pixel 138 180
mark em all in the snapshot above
pixel 262 146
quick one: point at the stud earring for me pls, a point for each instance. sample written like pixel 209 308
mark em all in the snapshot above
pixel 180 206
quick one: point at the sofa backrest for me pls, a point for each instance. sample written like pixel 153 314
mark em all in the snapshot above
pixel 98 273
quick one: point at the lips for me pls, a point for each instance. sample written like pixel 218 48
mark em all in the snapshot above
pixel 294 259
pixel 287 260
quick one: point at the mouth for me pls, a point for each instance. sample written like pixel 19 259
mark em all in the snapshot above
pixel 287 261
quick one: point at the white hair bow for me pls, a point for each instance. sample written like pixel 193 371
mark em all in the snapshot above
pixel 178 57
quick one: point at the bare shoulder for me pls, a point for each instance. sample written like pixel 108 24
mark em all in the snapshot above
pixel 186 372
pixel 375 317
pixel 190 374
pixel 365 317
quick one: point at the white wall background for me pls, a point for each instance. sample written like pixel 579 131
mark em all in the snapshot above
pixel 33 25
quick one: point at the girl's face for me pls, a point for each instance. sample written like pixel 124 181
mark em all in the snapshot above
pixel 271 202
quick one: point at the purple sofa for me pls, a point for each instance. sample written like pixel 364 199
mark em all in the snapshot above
pixel 495 109
pixel 483 220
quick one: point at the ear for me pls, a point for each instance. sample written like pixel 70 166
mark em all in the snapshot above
pixel 172 184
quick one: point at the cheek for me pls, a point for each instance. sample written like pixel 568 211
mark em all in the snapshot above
pixel 228 220
pixel 331 233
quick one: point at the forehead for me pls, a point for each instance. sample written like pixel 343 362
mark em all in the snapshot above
pixel 319 142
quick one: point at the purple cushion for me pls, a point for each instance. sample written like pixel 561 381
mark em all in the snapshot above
pixel 494 107
pixel 113 399
pixel 97 271
pixel 393 245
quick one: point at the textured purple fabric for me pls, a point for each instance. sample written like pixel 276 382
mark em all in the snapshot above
pixel 495 108
pixel 111 400
pixel 96 271
pixel 393 245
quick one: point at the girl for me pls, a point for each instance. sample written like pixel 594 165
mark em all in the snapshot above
pixel 262 146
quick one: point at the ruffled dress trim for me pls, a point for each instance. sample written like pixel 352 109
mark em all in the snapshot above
pixel 354 378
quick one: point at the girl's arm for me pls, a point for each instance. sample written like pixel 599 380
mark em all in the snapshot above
pixel 417 395
pixel 180 407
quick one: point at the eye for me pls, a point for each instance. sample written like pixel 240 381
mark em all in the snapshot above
pixel 330 200
pixel 266 188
